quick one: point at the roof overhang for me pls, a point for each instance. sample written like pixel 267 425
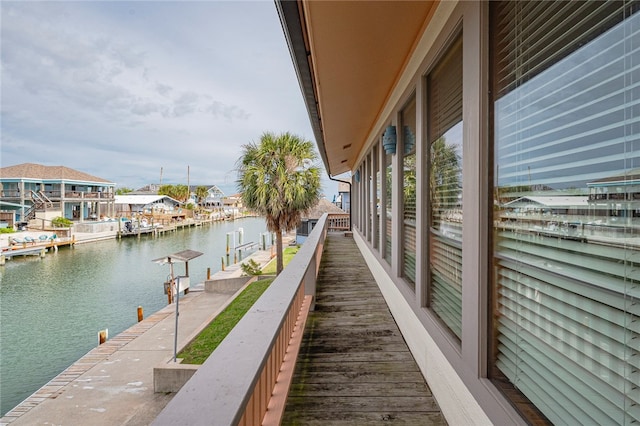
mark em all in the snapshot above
pixel 5 205
pixel 349 56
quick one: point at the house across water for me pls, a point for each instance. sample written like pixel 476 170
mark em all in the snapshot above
pixel 33 191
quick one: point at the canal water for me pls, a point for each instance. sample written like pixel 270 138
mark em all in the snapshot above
pixel 52 308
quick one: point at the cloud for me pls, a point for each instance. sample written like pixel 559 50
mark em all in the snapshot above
pixel 122 89
pixel 229 112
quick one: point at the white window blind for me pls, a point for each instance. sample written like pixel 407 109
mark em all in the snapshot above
pixel 444 109
pixel 388 171
pixel 408 135
pixel 566 84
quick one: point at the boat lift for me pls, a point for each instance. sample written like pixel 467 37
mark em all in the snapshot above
pixel 175 284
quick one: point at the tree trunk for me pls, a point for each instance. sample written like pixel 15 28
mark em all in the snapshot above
pixel 279 252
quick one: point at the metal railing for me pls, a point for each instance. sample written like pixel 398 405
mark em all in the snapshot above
pixel 235 384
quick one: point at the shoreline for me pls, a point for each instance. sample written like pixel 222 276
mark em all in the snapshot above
pixel 84 237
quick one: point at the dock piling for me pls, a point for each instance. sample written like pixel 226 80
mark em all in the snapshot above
pixel 103 335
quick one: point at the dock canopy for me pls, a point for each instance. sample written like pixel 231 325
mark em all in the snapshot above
pixel 181 256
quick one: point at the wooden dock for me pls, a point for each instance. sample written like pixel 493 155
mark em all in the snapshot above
pixel 354 367
pixel 36 248
pixel 163 228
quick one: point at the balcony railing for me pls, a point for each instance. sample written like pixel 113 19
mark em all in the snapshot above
pixel 338 222
pixel 236 383
pixel 71 195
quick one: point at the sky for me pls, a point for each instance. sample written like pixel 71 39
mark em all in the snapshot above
pixel 146 91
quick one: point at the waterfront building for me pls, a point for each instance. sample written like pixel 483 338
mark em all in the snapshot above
pixel 212 200
pixel 137 204
pixel 343 200
pixel 214 197
pixel 150 189
pixel 310 218
pixel 44 192
pixel 232 204
pixel 494 150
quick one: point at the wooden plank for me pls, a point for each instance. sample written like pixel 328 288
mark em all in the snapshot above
pixel 396 355
pixel 363 418
pixel 354 366
pixel 315 377
pixel 320 390
pixel 364 403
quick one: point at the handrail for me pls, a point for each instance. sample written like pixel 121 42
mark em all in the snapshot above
pixel 235 384
pixel 45 198
pixel 338 222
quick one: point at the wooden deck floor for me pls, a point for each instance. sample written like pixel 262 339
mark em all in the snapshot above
pixel 354 367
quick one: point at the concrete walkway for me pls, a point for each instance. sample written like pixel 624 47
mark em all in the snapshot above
pixel 113 383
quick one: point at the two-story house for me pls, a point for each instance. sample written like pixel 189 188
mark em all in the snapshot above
pixel 44 192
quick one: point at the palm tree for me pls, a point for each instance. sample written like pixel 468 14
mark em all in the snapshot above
pixel 445 179
pixel 177 192
pixel 201 193
pixel 278 178
pixel 181 193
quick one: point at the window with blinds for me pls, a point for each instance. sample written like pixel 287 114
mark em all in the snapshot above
pixel 368 187
pixel 388 171
pixel 376 196
pixel 408 135
pixel 566 233
pixel 444 109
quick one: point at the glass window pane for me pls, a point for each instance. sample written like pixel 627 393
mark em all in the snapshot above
pixel 408 135
pixel 388 207
pixel 376 197
pixel 566 155
pixel 444 86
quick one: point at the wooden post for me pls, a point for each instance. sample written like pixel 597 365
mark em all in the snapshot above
pixel 103 335
pixel 140 313
pixel 208 273
pixel 169 289
pixel 186 272
pixel 223 263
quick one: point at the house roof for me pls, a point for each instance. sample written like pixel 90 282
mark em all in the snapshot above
pixel 141 199
pixel 39 171
pixel 551 201
pixel 349 56
pixel 323 206
pixel 632 177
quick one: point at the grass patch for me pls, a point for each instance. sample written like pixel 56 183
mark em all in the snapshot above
pixel 205 343
pixel 202 346
pixel 289 252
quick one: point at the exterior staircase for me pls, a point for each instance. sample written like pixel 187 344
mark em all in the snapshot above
pixel 39 202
